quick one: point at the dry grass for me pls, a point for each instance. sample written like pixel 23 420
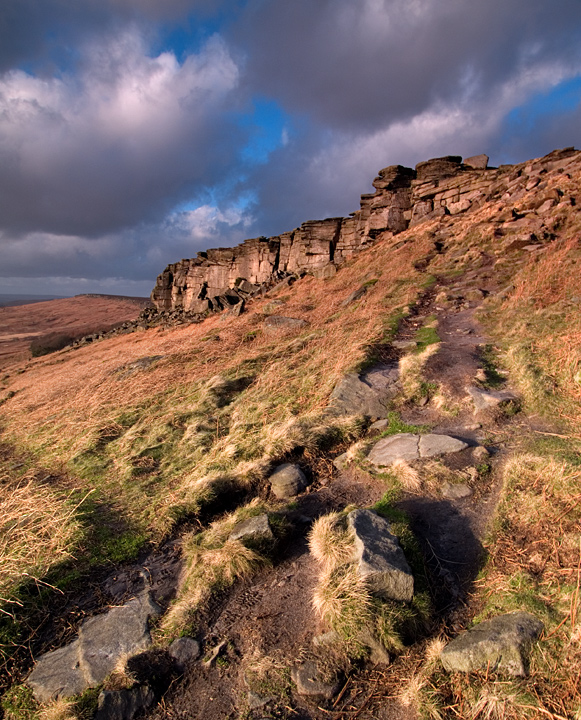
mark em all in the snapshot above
pixel 331 542
pixel 411 371
pixel 37 529
pixel 61 709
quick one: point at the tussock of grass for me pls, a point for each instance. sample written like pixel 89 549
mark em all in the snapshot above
pixel 37 530
pixel 330 541
pixel 61 709
pixel 213 562
pixel 411 371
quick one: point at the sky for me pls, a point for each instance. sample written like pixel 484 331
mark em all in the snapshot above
pixel 134 133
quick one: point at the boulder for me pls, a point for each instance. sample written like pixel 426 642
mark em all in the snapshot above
pixel 184 651
pixel 478 162
pixel 380 559
pixel 255 529
pixel 491 399
pixel 500 644
pixel 124 704
pixel 102 641
pixel 310 684
pixel 435 445
pixel 287 481
pixel 367 394
pixel 280 322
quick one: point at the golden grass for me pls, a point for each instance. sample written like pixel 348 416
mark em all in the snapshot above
pixel 330 541
pixel 37 529
pixel 61 709
pixel 411 371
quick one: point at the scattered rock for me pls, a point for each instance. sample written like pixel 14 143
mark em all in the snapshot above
pixel 341 461
pixel 404 344
pixel 407 446
pixel 379 424
pixel 435 445
pixel 255 529
pixel 256 701
pixel 491 399
pixel 102 641
pixel 354 296
pixel 310 684
pixel 480 454
pixel 502 643
pixel 456 491
pixel 379 556
pixel 367 394
pixel 143 363
pixel 124 704
pixel 287 481
pixel 280 322
pixel 184 651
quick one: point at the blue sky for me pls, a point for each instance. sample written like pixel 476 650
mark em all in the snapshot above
pixel 137 132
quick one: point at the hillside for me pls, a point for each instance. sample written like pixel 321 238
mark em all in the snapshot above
pixel 433 375
pixel 72 317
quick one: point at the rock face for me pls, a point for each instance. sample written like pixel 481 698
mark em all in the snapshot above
pixel 407 446
pixel 502 643
pixel 219 278
pixel 87 661
pixel 380 559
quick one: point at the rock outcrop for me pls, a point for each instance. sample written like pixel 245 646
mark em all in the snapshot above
pixel 218 279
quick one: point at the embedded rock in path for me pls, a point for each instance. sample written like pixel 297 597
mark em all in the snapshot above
pixel 255 529
pixel 280 322
pixel 367 394
pixel 490 399
pixel 309 683
pixel 287 481
pixel 184 650
pixel 58 674
pixel 407 446
pixel 102 641
pixel 124 704
pixel 502 643
pixel 456 491
pixel 380 559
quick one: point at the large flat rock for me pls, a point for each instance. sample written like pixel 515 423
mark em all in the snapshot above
pixel 408 446
pixel 58 674
pixel 380 559
pixel 104 639
pixel 502 643
pixel 369 393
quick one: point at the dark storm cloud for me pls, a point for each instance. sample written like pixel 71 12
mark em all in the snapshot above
pixel 361 65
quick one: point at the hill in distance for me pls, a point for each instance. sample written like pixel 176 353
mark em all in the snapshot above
pixel 322 488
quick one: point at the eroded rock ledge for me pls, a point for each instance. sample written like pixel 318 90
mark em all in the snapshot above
pixel 403 197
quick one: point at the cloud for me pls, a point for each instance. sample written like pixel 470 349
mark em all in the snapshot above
pixel 117 144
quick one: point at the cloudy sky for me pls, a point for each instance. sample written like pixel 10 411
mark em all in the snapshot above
pixel 137 132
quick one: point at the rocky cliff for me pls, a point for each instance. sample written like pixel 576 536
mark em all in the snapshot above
pixel 403 197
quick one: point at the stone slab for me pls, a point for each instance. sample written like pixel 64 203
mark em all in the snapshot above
pixel 58 674
pixel 502 643
pixel 309 683
pixel 380 559
pixel 403 446
pixel 435 445
pixel 104 639
pixel 367 394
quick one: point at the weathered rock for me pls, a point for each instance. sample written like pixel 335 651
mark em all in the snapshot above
pixel 104 639
pixel 279 322
pixel 367 394
pixel 478 162
pixel 310 684
pixel 490 399
pixel 124 704
pixel 287 481
pixel 184 651
pixel 380 559
pixel 435 445
pixel 502 643
pixel 255 529
pixel 58 674
pixel 341 461
pixel 480 454
pixel 354 296
pixel 403 446
pixel 407 446
pixel 456 491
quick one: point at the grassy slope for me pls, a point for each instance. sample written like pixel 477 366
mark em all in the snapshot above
pixel 227 399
